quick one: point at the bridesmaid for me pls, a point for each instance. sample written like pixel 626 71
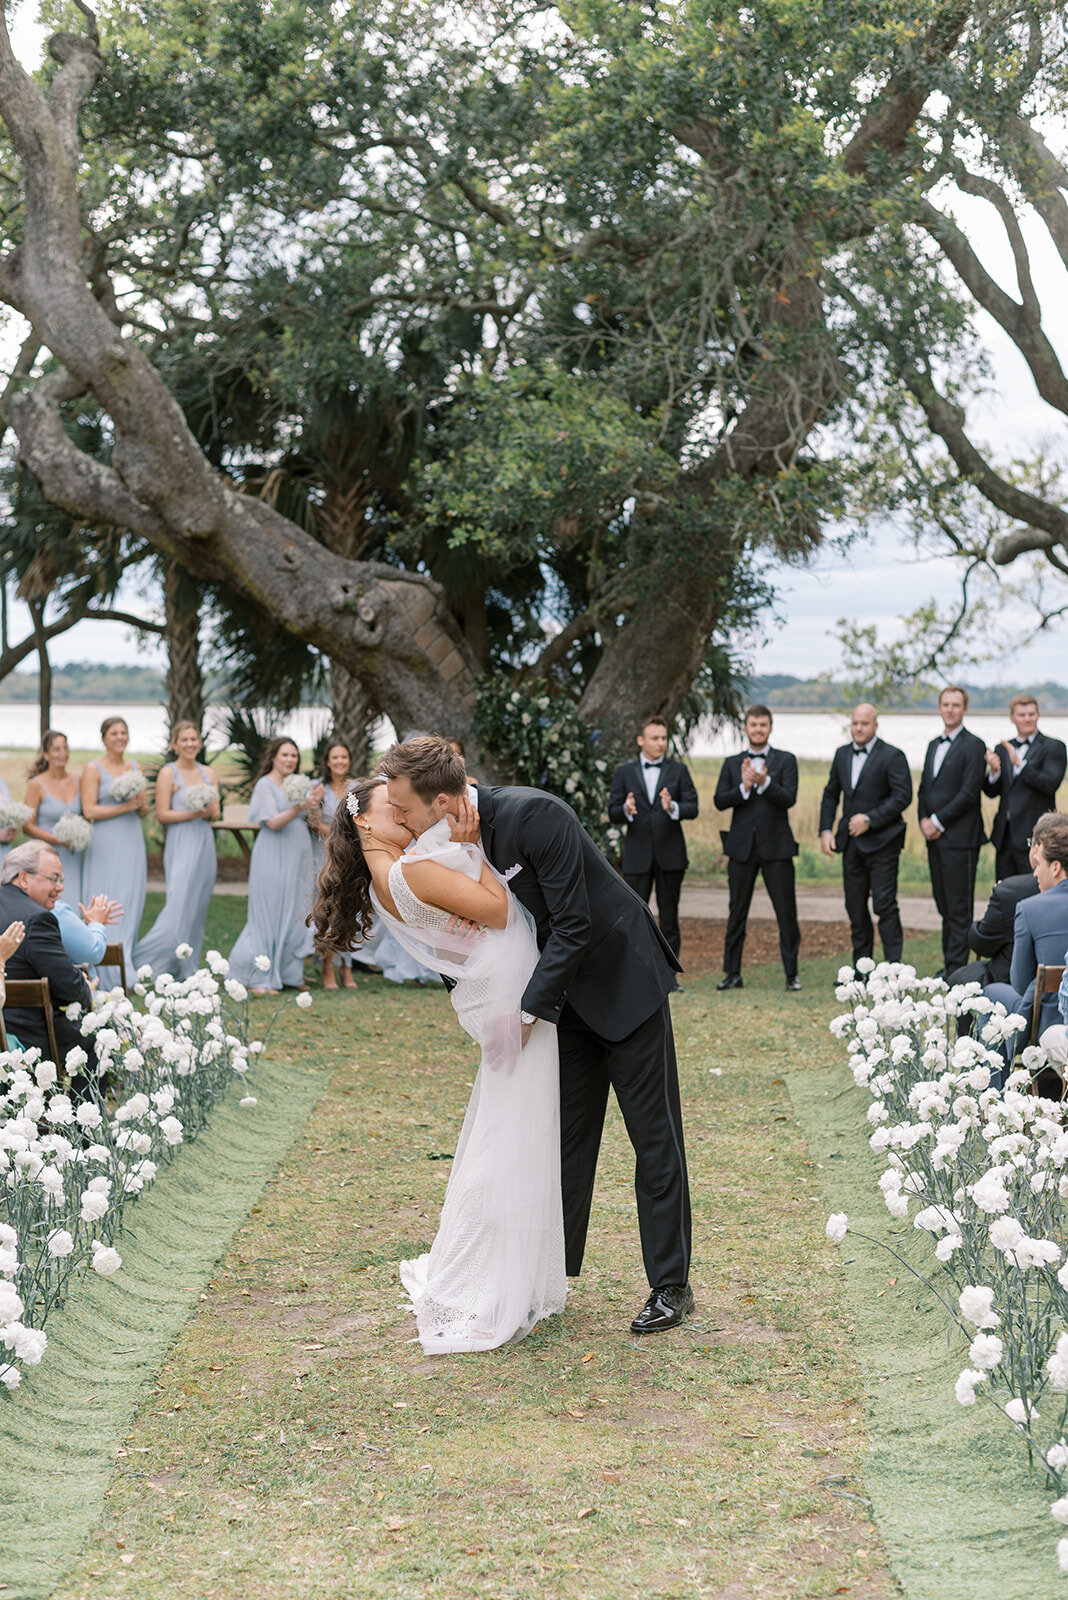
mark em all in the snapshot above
pixel 279 876
pixel 334 773
pixel 53 792
pixel 7 835
pixel 189 859
pixel 116 863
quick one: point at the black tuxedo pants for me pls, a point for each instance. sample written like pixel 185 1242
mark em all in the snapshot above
pixel 641 1069
pixel 668 888
pixel 779 882
pixel 953 886
pixel 1010 860
pixel 872 873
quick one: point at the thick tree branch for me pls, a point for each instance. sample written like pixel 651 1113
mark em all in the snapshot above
pixel 893 115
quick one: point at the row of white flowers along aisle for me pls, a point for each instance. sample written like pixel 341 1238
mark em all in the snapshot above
pixel 987 1170
pixel 69 1170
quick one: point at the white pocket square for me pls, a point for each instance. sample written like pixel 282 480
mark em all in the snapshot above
pixel 512 871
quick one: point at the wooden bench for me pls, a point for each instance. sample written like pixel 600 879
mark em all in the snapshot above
pixel 115 956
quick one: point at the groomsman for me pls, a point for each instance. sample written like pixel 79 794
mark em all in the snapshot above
pixel 652 797
pixel 1024 774
pixel 759 786
pixel 874 784
pixel 949 807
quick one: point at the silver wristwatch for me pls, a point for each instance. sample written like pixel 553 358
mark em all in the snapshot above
pixel 528 1017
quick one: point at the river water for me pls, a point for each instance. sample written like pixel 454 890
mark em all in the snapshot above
pixel 811 734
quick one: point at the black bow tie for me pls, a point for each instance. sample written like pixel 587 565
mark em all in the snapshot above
pixel 860 749
pixel 945 739
pixel 754 755
pixel 652 766
pixel 1019 743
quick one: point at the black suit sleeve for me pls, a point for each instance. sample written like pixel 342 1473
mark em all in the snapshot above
pixel 555 856
pixel 616 798
pixel 728 789
pixel 42 949
pixel 832 793
pixel 994 928
pixel 1045 775
pixel 892 808
pixel 687 798
pixel 782 790
pixel 971 784
pixel 993 784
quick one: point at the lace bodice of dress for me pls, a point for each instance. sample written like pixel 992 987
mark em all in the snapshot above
pixel 410 909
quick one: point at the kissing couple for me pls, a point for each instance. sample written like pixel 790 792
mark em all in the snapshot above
pixel 559 972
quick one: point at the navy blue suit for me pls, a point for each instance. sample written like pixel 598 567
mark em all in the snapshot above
pixel 1040 939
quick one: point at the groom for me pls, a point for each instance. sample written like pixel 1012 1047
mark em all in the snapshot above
pixel 603 979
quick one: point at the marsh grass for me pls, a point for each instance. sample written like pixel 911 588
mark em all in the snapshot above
pixel 298 1442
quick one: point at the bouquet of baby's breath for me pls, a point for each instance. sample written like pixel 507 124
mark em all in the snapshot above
pixel 13 814
pixel 127 785
pixel 295 788
pixel 199 795
pixel 74 831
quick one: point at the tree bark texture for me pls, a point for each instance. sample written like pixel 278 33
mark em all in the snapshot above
pixel 185 680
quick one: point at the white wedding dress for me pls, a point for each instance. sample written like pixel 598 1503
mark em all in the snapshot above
pixel 496 1266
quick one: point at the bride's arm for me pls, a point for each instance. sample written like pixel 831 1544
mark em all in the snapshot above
pixel 485 901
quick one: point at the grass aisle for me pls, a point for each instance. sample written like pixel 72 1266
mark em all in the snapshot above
pixel 298 1443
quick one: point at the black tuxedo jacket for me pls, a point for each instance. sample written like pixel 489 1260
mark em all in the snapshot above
pixel 759 824
pixel 955 795
pixel 41 955
pixel 1027 796
pixel 652 838
pixel 884 789
pixel 991 935
pixel 601 950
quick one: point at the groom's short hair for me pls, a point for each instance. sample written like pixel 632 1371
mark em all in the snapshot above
pixel 430 764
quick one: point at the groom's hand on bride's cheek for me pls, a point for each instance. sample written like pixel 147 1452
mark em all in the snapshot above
pixel 464 824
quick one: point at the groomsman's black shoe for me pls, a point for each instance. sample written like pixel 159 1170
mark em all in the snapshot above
pixel 793 984
pixel 733 980
pixel 665 1308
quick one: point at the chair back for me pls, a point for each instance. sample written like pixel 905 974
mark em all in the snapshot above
pixel 115 956
pixel 32 994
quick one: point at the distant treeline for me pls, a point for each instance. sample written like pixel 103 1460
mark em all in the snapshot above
pixel 88 683
pixel 783 692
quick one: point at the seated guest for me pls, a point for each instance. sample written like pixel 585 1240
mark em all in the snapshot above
pixel 1040 927
pixel 82 931
pixel 30 882
pixel 991 936
pixel 10 940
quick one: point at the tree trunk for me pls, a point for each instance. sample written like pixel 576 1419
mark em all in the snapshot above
pixel 353 715
pixel 44 682
pixel 185 681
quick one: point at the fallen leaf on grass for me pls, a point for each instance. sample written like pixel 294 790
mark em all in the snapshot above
pixel 588 1511
pixel 578 1415
pixel 587 1357
pixel 682 1522
pixel 610 1477
pixel 398 1524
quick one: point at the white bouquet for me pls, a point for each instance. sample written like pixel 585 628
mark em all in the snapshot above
pixel 74 831
pixel 200 795
pixel 13 813
pixel 126 786
pixel 295 788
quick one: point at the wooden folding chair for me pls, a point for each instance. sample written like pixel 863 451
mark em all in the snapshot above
pixel 1046 1082
pixel 3 1033
pixel 32 994
pixel 114 956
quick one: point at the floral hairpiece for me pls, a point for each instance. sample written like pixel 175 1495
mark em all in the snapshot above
pixel 353 802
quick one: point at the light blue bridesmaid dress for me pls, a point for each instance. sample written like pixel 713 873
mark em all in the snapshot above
pixel 189 865
pixel 116 864
pixel 5 794
pixel 48 814
pixel 279 878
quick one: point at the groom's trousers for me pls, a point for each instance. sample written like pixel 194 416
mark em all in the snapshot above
pixel 642 1070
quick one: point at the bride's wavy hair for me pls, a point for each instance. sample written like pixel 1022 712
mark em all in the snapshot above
pixel 342 912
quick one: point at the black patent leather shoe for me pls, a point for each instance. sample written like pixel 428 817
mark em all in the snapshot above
pixel 793 984
pixel 665 1308
pixel 733 980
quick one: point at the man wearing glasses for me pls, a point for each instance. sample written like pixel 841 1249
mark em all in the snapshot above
pixel 30 880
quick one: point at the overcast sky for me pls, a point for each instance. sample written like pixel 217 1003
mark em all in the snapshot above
pixel 875 583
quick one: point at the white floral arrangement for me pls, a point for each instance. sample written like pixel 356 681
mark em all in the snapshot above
pixel 126 786
pixel 13 813
pixel 296 788
pixel 200 795
pixel 74 831
pixel 988 1171
pixel 70 1168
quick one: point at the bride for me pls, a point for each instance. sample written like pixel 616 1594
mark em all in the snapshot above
pixel 496 1266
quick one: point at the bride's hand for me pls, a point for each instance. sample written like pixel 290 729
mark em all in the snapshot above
pixel 464 824
pixel 504 1043
pixel 464 928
